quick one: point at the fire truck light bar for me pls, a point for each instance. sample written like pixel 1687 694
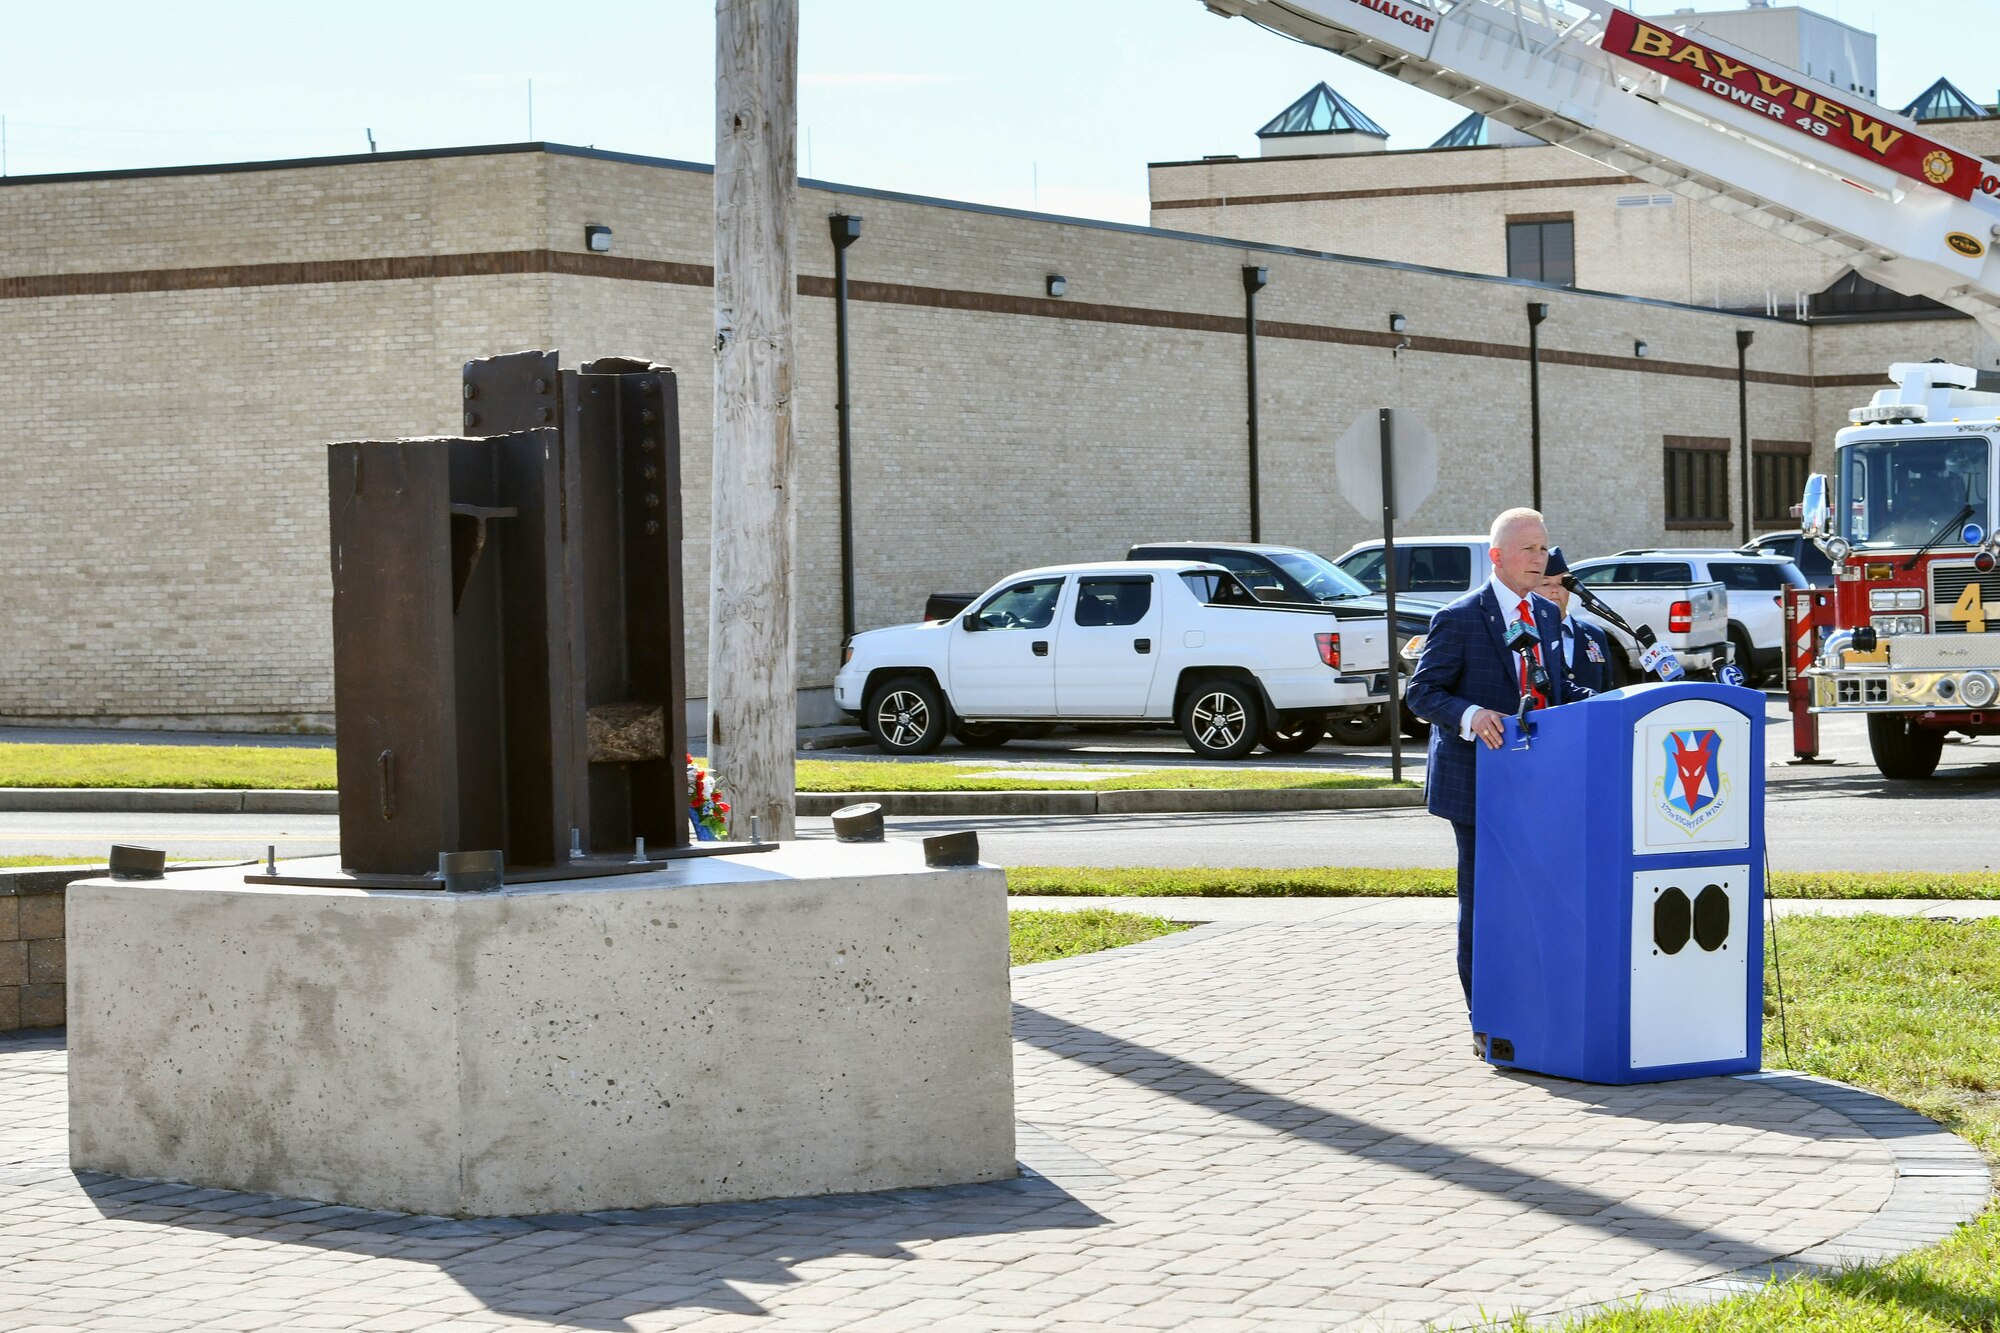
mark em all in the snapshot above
pixel 1862 416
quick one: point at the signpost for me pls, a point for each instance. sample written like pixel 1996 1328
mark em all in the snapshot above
pixel 1375 477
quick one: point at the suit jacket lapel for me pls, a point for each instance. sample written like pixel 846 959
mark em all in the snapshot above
pixel 1495 616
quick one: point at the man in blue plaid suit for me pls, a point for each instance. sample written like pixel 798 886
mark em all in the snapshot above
pixel 1467 683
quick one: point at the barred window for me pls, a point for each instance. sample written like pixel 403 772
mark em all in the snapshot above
pixel 1697 481
pixel 1778 471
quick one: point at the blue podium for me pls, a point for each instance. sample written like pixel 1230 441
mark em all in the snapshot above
pixel 1618 914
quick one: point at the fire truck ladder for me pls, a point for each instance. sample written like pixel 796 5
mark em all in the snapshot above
pixel 1543 67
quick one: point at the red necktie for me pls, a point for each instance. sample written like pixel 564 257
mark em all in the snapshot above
pixel 1528 619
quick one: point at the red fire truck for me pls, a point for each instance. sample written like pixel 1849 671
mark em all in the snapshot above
pixel 1909 634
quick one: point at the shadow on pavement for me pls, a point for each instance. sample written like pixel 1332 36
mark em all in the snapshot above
pixel 1215 1092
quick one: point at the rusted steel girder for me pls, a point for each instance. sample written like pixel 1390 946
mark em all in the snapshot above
pixel 509 648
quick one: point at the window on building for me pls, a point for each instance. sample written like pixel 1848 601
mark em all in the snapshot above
pixel 1542 249
pixel 1697 482
pixel 1777 477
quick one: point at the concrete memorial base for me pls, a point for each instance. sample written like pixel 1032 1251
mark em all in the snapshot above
pixel 818 1019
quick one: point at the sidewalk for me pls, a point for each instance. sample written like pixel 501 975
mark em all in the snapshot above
pixel 1271 1122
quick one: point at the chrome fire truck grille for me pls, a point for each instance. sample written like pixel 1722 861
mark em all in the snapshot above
pixel 1948 584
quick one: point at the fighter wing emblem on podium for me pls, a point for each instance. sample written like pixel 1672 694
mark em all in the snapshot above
pixel 1693 790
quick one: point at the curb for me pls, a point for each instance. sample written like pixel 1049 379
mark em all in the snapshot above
pixel 166 801
pixel 1143 801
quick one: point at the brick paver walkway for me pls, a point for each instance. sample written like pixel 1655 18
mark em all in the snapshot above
pixel 1260 1124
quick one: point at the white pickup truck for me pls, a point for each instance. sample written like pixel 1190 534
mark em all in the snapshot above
pixel 1692 618
pixel 1143 642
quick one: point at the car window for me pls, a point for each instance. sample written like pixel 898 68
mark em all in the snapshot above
pixel 1023 606
pixel 1123 601
pixel 1256 575
pixel 1433 569
pixel 1743 576
pixel 1319 576
pixel 1636 571
pixel 1212 587
pixel 1365 567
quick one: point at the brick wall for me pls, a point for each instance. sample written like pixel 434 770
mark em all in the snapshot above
pixel 162 504
pixel 31 947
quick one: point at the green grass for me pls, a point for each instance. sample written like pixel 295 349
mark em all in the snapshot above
pixel 21 862
pixel 1038 937
pixel 1367 882
pixel 866 775
pixel 311 769
pixel 1911 1009
pixel 194 766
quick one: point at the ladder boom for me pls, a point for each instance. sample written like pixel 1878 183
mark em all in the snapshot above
pixel 1696 115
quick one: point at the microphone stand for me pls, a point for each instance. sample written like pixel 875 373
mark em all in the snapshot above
pixel 1596 607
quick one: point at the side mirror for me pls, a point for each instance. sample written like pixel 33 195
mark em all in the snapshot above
pixel 971 621
pixel 1816 511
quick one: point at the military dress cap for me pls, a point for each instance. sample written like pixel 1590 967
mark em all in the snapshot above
pixel 1557 565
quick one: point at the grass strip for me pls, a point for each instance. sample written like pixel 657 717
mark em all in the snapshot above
pixel 1039 937
pixel 239 767
pixel 1910 1009
pixel 1371 882
pixel 231 767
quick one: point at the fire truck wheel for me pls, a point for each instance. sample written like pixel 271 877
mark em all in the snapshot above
pixel 1903 750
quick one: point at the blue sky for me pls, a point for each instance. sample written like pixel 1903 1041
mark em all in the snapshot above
pixel 1055 104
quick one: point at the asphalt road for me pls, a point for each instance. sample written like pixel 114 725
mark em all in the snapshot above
pixel 1838 815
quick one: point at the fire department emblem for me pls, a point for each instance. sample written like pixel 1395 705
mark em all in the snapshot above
pixel 1938 167
pixel 1693 789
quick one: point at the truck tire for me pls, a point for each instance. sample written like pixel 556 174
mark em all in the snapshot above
pixel 1901 749
pixel 981 735
pixel 1294 739
pixel 1222 719
pixel 905 715
pixel 1368 727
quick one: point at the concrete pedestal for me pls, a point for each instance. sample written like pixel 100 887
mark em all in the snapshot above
pixel 819 1019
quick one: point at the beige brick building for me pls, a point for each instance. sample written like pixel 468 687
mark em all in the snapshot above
pixel 187 342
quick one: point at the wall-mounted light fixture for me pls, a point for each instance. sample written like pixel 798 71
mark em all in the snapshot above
pixel 1639 348
pixel 596 237
pixel 1397 323
pixel 1058 284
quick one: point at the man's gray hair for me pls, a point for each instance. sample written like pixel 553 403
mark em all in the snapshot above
pixel 1507 519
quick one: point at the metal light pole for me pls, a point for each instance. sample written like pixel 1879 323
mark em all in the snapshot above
pixel 1254 279
pixel 1537 312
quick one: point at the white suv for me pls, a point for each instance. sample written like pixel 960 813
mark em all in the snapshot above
pixel 1755 587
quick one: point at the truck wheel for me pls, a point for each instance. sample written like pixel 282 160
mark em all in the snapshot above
pixel 1368 727
pixel 1902 750
pixel 905 715
pixel 1222 719
pixel 1414 727
pixel 981 735
pixel 1296 738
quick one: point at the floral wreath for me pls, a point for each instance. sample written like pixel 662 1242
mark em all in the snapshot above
pixel 707 811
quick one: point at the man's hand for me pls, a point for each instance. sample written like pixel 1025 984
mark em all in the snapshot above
pixel 1489 726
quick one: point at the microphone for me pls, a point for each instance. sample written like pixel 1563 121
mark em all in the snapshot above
pixel 1656 657
pixel 1523 638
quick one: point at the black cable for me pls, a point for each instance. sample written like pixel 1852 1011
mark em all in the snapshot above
pixel 1777 962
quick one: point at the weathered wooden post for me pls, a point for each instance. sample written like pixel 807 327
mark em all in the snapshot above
pixel 752 701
